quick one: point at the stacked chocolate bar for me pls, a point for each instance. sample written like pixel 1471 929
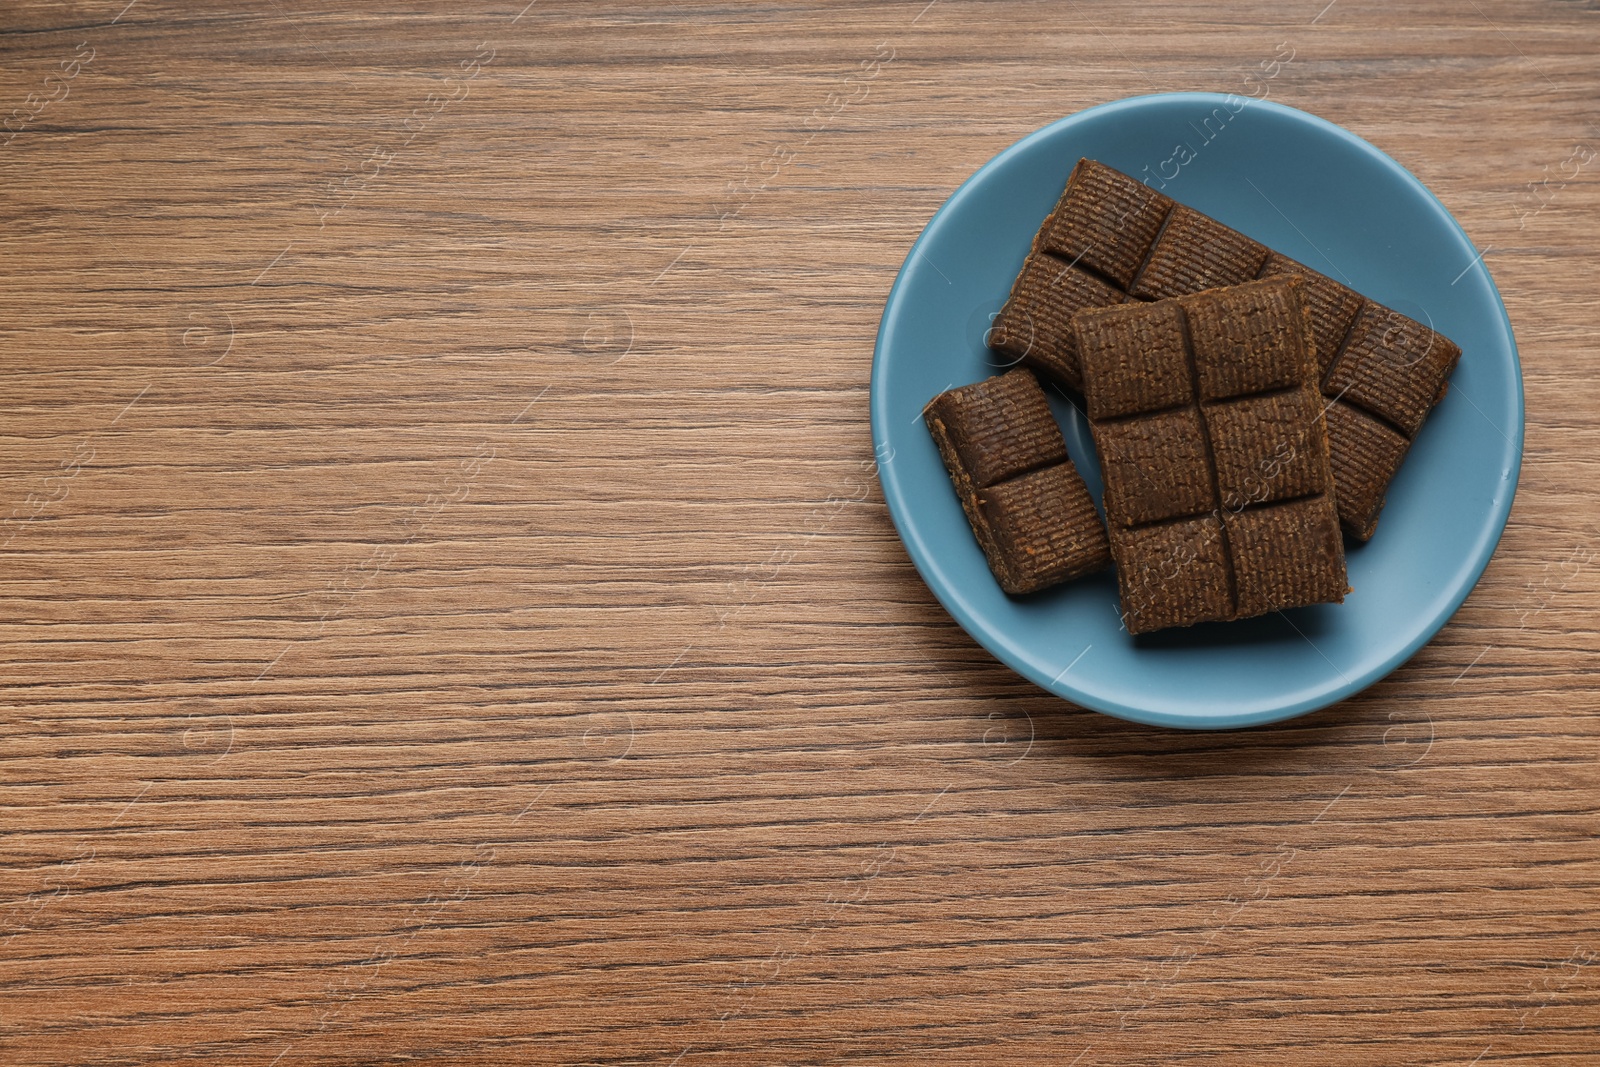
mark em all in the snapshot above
pixel 1207 420
pixel 1243 406
pixel 1112 239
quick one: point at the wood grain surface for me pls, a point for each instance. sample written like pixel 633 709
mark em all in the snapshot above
pixel 447 613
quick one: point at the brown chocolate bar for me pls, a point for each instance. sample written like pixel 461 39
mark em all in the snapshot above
pixel 1209 425
pixel 1028 506
pixel 1112 238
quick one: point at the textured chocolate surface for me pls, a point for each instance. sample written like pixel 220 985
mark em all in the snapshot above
pixel 1175 574
pixel 1196 252
pixel 1370 457
pixel 1027 504
pixel 1035 326
pixel 1112 238
pixel 1105 222
pixel 998 428
pixel 1208 422
pixel 1392 367
pixel 1286 555
pixel 1333 307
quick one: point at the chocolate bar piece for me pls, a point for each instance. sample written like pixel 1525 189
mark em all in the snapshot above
pixel 1111 238
pixel 1209 424
pixel 1028 505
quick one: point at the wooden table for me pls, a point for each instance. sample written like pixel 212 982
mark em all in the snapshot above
pixel 448 614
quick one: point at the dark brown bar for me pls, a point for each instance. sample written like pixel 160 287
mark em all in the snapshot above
pixel 1027 504
pixel 1112 238
pixel 1209 426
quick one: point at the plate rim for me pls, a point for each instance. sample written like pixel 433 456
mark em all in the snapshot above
pixel 994 641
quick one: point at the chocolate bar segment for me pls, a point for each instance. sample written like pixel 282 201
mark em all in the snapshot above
pixel 1392 366
pixel 1263 449
pixel 1028 506
pixel 1143 246
pixel 1155 467
pixel 997 429
pixel 1364 467
pixel 1332 306
pixel 1196 252
pixel 1143 363
pixel 1174 574
pixel 1249 339
pixel 1046 529
pixel 1286 555
pixel 1035 325
pixel 1246 453
pixel 1104 222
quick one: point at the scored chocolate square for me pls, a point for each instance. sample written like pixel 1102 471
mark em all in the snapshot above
pixel 1036 326
pixel 1174 574
pixel 1285 555
pixel 1111 239
pixel 1029 509
pixel 1209 426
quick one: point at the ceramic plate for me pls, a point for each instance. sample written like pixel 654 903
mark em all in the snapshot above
pixel 1312 191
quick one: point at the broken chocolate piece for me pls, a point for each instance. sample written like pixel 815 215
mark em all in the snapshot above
pixel 1027 504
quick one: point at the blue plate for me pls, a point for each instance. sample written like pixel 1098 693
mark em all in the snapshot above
pixel 1306 188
